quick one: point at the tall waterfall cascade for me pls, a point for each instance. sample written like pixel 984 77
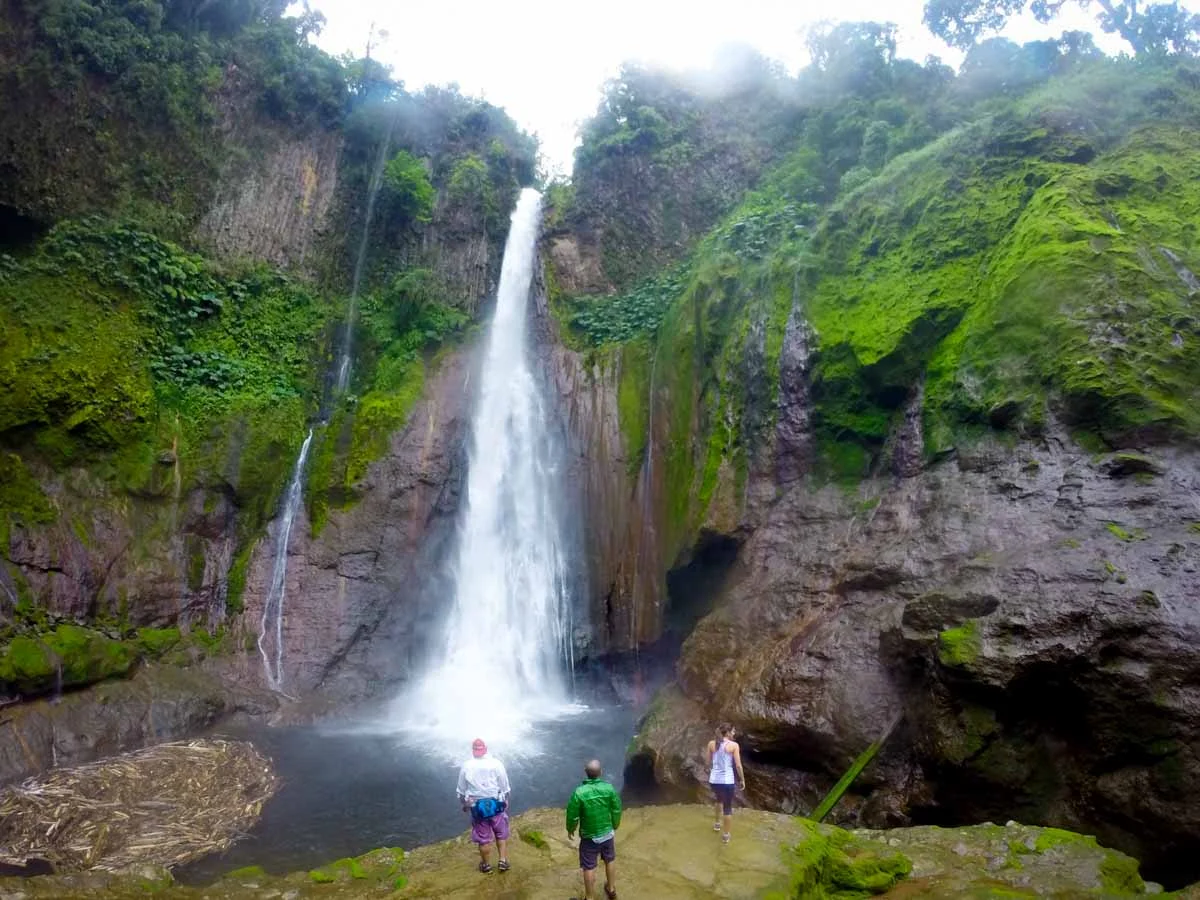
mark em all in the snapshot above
pixel 507 643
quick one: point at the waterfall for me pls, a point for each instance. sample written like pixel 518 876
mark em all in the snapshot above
pixel 272 617
pixel 506 648
pixel 343 371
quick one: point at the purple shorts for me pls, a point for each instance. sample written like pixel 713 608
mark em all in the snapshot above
pixel 484 831
pixel 590 852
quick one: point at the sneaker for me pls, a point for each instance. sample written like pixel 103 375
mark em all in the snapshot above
pixel 485 868
pixel 725 838
pixel 716 826
pixel 504 866
pixel 610 893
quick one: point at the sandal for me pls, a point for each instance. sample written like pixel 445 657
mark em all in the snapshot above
pixel 485 868
pixel 610 893
pixel 504 866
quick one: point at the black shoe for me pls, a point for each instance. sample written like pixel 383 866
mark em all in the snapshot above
pixel 485 868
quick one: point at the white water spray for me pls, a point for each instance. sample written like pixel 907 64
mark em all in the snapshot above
pixel 272 617
pixel 508 636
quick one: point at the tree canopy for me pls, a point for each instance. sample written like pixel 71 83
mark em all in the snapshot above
pixel 1149 28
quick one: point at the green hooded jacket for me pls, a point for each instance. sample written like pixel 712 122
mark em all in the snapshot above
pixel 595 808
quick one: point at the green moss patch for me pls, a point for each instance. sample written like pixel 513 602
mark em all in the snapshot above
pixel 1118 873
pixel 68 656
pixel 960 646
pixel 22 501
pixel 382 411
pixel 379 866
pixel 534 838
pixel 1079 305
pixel 829 864
pixel 1123 534
pixel 157 641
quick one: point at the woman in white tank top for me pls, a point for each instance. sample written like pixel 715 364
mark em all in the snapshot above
pixel 724 761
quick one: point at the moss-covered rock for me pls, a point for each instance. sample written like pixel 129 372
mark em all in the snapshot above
pixel 830 864
pixel 960 646
pixel 1016 268
pixel 68 656
pixel 22 500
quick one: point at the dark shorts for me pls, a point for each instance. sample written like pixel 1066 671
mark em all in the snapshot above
pixel 589 851
pixel 724 794
pixel 484 831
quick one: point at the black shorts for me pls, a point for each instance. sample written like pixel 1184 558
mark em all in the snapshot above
pixel 724 794
pixel 589 850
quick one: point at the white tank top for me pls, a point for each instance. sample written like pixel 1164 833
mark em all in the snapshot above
pixel 722 765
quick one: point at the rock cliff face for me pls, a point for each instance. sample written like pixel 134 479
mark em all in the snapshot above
pixel 362 597
pixel 159 703
pixel 275 208
pixel 1027 609
pixel 615 516
pixel 168 547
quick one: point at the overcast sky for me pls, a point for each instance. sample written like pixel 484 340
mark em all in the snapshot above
pixel 545 61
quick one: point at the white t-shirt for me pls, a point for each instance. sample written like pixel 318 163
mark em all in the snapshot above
pixel 482 777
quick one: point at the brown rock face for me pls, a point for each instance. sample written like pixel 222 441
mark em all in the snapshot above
pixel 613 516
pixel 275 208
pixel 171 554
pixel 464 258
pixel 362 598
pixel 1029 609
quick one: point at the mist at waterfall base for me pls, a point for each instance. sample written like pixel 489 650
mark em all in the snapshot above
pixel 344 793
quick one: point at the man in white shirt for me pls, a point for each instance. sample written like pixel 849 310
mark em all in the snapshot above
pixel 483 791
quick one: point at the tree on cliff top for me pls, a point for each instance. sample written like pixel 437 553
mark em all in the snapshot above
pixel 1155 28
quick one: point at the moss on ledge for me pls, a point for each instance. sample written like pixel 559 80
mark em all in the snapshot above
pixel 68 656
pixel 37 658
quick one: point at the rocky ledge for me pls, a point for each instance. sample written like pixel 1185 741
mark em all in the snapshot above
pixel 669 853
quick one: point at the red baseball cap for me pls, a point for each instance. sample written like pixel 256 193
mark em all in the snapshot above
pixel 478 747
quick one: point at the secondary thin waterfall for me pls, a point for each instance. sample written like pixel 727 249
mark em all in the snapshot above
pixel 270 632
pixel 273 606
pixel 508 635
pixel 343 371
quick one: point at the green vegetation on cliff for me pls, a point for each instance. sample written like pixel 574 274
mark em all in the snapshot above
pixel 116 342
pixel 977 245
pixel 129 96
pixel 156 372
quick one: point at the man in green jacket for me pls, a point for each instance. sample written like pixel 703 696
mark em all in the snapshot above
pixel 595 809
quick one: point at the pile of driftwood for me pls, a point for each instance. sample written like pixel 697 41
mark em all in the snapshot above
pixel 164 805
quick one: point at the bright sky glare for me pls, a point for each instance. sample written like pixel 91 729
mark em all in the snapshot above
pixel 545 61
